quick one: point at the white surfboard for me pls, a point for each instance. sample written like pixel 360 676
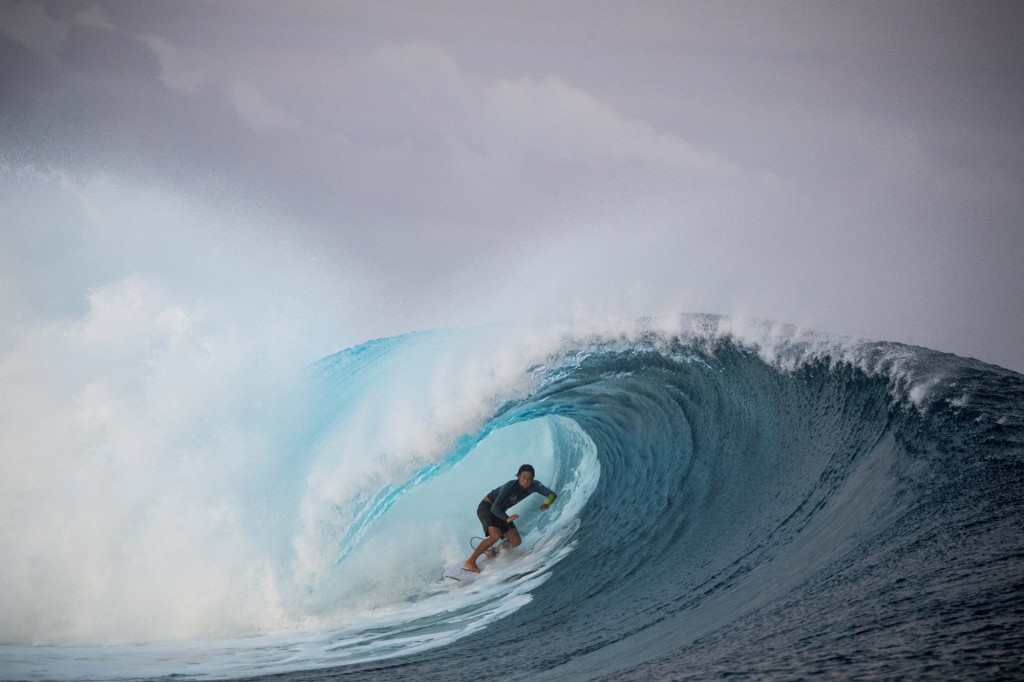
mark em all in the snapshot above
pixel 462 574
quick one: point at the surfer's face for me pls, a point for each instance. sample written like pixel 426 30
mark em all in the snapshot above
pixel 525 479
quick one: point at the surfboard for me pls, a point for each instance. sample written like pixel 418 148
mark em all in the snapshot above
pixel 458 571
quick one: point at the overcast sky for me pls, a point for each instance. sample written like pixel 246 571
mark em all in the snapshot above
pixel 854 167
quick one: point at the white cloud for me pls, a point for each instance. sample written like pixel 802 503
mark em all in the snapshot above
pixel 93 16
pixel 553 115
pixel 175 70
pixel 29 24
pixel 258 111
pixel 416 93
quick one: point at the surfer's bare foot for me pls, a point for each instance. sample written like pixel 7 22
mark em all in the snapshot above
pixel 470 566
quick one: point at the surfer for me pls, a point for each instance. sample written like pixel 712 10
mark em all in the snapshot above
pixel 492 512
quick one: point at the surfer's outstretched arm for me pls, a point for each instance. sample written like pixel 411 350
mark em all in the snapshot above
pixel 544 490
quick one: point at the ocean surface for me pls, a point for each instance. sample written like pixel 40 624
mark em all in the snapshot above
pixel 735 500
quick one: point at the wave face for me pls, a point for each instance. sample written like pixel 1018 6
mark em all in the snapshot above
pixel 759 502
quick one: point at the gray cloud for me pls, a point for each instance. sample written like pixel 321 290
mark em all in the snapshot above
pixel 855 168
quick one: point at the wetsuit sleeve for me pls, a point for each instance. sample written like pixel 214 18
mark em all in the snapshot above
pixel 538 487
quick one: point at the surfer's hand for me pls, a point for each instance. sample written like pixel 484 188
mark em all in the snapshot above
pixel 543 507
pixel 512 518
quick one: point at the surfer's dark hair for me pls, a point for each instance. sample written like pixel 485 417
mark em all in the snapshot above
pixel 526 467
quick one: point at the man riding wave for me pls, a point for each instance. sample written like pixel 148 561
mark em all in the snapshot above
pixel 492 512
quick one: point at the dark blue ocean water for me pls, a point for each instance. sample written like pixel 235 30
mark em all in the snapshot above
pixel 759 505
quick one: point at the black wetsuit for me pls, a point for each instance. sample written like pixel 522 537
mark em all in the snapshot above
pixel 492 510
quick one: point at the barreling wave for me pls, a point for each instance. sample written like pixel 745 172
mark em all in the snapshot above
pixel 755 500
